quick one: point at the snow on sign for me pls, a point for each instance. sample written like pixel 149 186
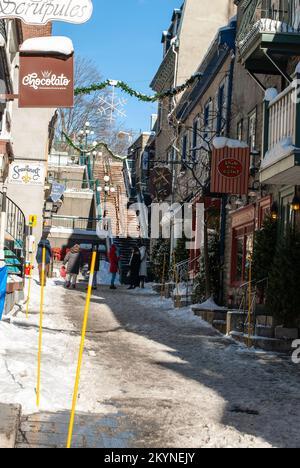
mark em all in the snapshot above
pixel 43 11
pixel 46 73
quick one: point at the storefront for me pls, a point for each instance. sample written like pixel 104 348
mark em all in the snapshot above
pixel 244 224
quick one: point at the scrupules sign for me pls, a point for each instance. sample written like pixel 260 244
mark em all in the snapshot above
pixel 43 11
pixel 46 73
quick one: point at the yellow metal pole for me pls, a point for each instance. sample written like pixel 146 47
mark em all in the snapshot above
pixel 249 300
pixel 29 283
pixel 81 350
pixel 38 387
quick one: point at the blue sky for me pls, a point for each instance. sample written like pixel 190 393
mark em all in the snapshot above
pixel 123 39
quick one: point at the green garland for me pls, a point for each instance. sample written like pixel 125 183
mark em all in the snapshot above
pixel 140 96
pixel 94 148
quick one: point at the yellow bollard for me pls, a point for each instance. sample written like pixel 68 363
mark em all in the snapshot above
pixel 38 387
pixel 81 350
pixel 29 283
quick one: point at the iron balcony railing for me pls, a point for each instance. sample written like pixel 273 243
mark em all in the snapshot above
pixel 73 184
pixel 74 223
pixel 15 231
pixel 278 16
pixel 62 160
pixel 282 118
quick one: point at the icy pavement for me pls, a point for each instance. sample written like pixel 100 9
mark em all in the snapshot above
pixel 158 377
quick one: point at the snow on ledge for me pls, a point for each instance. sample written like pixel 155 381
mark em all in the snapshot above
pixel 59 45
pixel 278 152
pixel 209 305
pixel 271 94
pixel 222 142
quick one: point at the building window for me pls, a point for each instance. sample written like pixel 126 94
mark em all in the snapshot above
pixel 221 110
pixel 184 151
pixel 252 121
pixel 239 132
pixel 195 138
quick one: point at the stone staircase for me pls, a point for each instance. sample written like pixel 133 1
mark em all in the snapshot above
pixel 114 204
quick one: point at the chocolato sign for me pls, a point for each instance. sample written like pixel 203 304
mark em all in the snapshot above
pixel 21 173
pixel 43 11
pixel 46 82
pixel 230 168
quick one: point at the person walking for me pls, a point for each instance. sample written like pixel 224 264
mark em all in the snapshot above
pixel 143 267
pixel 135 263
pixel 73 260
pixel 113 265
pixel 44 243
pixel 97 267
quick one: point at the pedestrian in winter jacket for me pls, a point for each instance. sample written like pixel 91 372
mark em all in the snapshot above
pixel 143 266
pixel 113 265
pixel 135 263
pixel 44 243
pixel 73 260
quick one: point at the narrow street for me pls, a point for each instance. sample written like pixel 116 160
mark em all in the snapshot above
pixel 152 377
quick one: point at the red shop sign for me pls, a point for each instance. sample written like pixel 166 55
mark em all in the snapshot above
pixel 46 81
pixel 230 168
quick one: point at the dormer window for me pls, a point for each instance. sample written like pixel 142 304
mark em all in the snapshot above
pixel 166 40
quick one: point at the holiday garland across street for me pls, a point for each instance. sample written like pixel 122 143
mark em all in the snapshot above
pixel 96 147
pixel 140 96
pixel 127 89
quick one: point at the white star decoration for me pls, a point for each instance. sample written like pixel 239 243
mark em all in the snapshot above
pixel 112 107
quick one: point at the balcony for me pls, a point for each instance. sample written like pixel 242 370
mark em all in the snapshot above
pixel 281 163
pixel 272 27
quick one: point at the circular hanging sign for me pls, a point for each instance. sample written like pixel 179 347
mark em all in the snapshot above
pixel 230 168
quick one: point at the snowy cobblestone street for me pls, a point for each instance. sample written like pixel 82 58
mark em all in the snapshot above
pixel 152 377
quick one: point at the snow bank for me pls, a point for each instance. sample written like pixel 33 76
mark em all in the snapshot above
pixel 278 152
pixel 104 276
pixel 48 45
pixel 222 142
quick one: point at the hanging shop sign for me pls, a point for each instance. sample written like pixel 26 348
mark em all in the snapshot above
pixel 46 81
pixel 160 183
pixel 57 192
pixel 230 170
pixel 23 173
pixel 44 11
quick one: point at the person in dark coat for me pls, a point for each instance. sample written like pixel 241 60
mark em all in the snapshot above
pixel 135 264
pixel 39 258
pixel 113 265
pixel 73 260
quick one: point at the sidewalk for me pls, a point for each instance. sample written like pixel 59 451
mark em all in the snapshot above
pixel 10 416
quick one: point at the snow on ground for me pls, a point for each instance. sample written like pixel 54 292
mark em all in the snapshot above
pixel 19 351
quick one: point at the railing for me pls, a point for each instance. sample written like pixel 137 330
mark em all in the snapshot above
pixel 248 302
pixel 74 184
pixel 184 269
pixel 16 229
pixel 62 160
pixel 74 223
pixel 282 117
pixel 278 16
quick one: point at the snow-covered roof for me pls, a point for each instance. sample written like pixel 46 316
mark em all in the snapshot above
pixel 222 142
pixel 59 45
